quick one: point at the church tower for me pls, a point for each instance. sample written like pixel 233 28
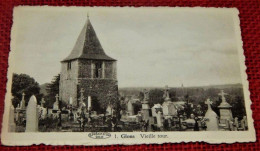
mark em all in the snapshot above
pixel 88 67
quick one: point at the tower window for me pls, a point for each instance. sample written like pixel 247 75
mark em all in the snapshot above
pixel 98 70
pixel 69 65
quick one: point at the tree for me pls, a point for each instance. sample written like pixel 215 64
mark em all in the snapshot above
pixel 155 97
pixel 23 83
pixel 238 107
pixel 187 106
pixel 52 89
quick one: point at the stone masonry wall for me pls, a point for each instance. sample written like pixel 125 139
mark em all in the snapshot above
pixel 105 90
pixel 68 82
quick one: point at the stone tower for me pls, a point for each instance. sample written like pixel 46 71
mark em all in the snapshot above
pixel 88 67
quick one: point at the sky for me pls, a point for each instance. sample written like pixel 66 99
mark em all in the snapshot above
pixel 154 47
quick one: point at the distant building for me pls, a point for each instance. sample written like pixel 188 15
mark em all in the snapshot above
pixel 88 67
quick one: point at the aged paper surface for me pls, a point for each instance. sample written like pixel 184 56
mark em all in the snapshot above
pixel 104 75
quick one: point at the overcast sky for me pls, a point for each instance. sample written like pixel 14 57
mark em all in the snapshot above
pixel 153 46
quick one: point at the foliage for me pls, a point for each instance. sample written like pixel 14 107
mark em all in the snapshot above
pixel 156 97
pixel 52 90
pixel 23 83
pixel 95 105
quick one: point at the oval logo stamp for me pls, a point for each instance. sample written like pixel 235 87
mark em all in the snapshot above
pixel 99 135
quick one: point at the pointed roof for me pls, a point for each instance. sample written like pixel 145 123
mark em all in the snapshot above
pixel 88 46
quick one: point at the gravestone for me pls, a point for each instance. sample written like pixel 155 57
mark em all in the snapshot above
pixel 211 118
pixel 71 101
pixel 130 108
pixel 145 107
pixel 236 124
pixel 109 110
pixel 42 110
pixel 246 124
pixel 224 109
pixel 11 123
pixel 22 103
pixel 159 119
pixel 32 115
pixel 168 107
pixel 56 103
pixel 89 102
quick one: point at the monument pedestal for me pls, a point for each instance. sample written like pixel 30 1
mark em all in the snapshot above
pixel 224 109
pixel 145 111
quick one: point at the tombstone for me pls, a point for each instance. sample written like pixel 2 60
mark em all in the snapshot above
pixel 32 115
pixel 159 119
pixel 109 110
pixel 56 103
pixel 246 124
pixel 168 107
pixel 130 108
pixel 156 108
pixel 211 118
pixel 89 102
pixel 224 109
pixel 145 107
pixel 49 111
pixel 22 103
pixel 11 124
pixel 71 101
pixel 236 124
pixel 42 110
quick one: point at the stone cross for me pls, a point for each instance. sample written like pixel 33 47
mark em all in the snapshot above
pixel 166 93
pixel 208 102
pixel 22 104
pixel 146 95
pixel 222 94
pixel 57 97
pixel 32 115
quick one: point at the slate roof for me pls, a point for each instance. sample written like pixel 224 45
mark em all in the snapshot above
pixel 88 46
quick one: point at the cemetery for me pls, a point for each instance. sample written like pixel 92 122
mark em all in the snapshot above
pixel 87 99
pixel 159 117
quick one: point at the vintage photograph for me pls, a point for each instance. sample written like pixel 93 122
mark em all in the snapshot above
pixel 126 70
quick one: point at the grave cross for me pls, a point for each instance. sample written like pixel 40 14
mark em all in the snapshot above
pixel 166 94
pixel 57 98
pixel 146 95
pixel 222 94
pixel 208 102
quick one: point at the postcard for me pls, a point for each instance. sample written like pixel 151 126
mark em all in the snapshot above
pixel 110 75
